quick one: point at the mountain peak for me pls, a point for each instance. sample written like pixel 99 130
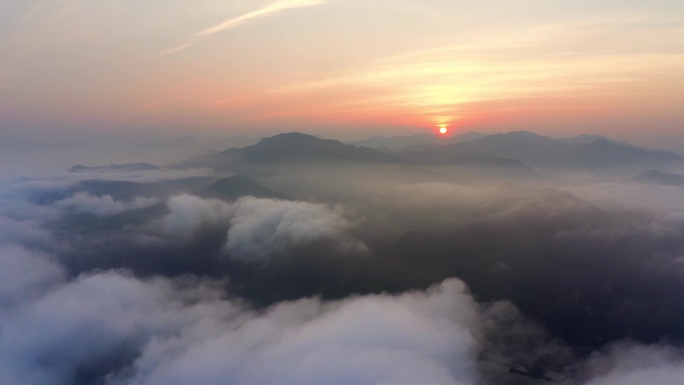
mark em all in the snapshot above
pixel 296 146
pixel 605 144
pixel 602 141
pixel 291 137
pixel 519 136
pixel 659 177
pixel 523 132
pixel 585 139
pixel 293 147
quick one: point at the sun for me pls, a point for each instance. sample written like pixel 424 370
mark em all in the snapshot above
pixel 443 130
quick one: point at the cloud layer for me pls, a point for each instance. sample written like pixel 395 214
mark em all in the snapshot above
pixel 101 205
pixel 262 291
pixel 131 331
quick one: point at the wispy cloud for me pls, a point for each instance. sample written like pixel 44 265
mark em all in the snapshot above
pixel 30 13
pixel 273 8
pixel 442 84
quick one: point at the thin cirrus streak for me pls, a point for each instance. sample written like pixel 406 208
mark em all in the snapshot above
pixel 273 8
pixel 30 14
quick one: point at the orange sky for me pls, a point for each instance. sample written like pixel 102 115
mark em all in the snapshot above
pixel 346 68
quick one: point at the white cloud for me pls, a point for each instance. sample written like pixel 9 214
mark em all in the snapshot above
pixel 633 364
pixel 189 212
pixel 271 9
pixel 25 274
pixel 260 227
pixel 103 206
pixel 90 323
pixel 415 337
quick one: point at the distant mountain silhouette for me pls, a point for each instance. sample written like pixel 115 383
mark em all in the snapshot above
pixel 660 178
pixel 297 146
pixel 587 138
pixel 398 141
pixel 542 151
pixel 678 150
pixel 467 136
pixel 238 186
pixel 522 145
pixel 298 153
pixel 444 156
pixel 413 140
pixel 115 167
pixel 602 152
pixel 233 142
pixel 291 148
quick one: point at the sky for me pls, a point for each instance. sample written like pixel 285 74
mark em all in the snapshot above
pixel 340 68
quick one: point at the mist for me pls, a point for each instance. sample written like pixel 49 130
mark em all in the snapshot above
pixel 339 265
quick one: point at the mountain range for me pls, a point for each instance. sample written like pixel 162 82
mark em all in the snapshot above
pixel 576 154
pixel 659 178
pixel 290 148
pixel 513 150
pixel 413 140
